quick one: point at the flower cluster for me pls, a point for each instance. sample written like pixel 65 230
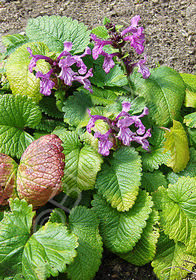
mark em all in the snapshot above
pixel 61 68
pixel 120 128
pixel 118 40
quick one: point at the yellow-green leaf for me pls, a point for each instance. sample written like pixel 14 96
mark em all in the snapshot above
pixel 177 143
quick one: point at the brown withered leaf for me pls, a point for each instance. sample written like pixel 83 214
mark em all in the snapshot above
pixel 40 170
pixel 8 169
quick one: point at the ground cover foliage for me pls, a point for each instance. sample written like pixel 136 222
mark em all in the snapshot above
pixel 81 118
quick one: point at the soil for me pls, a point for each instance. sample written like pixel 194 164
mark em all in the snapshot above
pixel 170 29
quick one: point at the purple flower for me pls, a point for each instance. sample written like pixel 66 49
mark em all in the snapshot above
pixel 35 58
pixel 84 80
pixel 93 119
pixel 142 140
pixel 104 143
pixel 142 68
pixel 137 40
pixel 45 84
pixel 108 61
pixel 132 28
pixel 99 44
pixel 67 73
pixel 125 135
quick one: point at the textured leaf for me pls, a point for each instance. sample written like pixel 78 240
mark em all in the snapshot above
pixel 8 169
pixel 48 107
pixel 75 107
pixel 20 79
pixel 14 233
pixel 12 42
pixel 100 31
pixel 177 143
pixel 55 30
pixel 17 113
pixel 153 159
pixel 58 216
pixel 40 170
pixel 192 136
pixel 121 230
pixel 84 223
pixel 145 249
pixel 190 169
pixel 48 251
pixel 171 259
pixel 190 120
pixel 190 82
pixel 164 92
pixel 48 125
pixel 119 179
pixel 151 181
pixel 81 163
pixel 111 79
pixel 178 208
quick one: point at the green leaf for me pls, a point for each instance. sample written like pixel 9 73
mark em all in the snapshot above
pixel 121 230
pixel 8 169
pixel 81 163
pixel 119 179
pixel 58 216
pixel 145 249
pixel 48 251
pixel 178 208
pixel 20 79
pixel 151 181
pixel 14 233
pixel 100 31
pixel 190 169
pixel 55 30
pixel 84 223
pixel 12 42
pixel 48 107
pixel 190 120
pixel 75 107
pixel 115 77
pixel 48 125
pixel 190 83
pixel 177 143
pixel 164 92
pixel 192 136
pixel 171 259
pixel 17 113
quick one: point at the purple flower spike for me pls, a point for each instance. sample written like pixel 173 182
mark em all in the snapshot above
pixel 142 68
pixel 104 143
pixel 99 44
pixel 125 108
pixel 45 84
pixel 93 119
pixel 84 80
pixel 137 40
pixel 132 28
pixel 108 63
pixel 125 135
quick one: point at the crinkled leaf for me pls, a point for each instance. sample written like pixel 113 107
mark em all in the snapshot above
pixel 48 107
pixel 171 259
pixel 121 230
pixel 12 42
pixel 55 30
pixel 190 120
pixel 190 169
pixel 40 170
pixel 190 83
pixel 14 233
pixel 84 223
pixel 48 251
pixel 100 31
pixel 151 181
pixel 164 92
pixel 17 113
pixel 119 179
pixel 115 77
pixel 178 208
pixel 20 79
pixel 48 125
pixel 145 249
pixel 8 169
pixel 192 136
pixel 103 96
pixel 75 107
pixel 81 163
pixel 177 144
